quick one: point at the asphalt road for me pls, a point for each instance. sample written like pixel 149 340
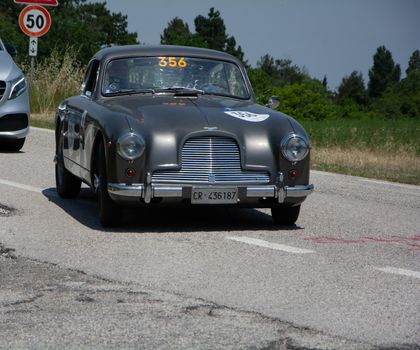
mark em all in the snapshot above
pixel 347 276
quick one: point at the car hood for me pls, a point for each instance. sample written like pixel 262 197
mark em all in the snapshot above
pixel 8 68
pixel 166 122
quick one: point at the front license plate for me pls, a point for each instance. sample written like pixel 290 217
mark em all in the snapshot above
pixel 214 196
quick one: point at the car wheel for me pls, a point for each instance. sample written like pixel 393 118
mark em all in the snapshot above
pixel 285 216
pixel 12 145
pixel 110 214
pixel 67 185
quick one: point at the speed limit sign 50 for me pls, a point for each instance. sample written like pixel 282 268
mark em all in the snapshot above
pixel 34 21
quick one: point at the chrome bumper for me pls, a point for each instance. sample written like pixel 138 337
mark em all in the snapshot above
pixel 118 190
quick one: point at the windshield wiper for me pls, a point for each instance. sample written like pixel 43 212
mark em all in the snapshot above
pixel 181 91
pixel 130 92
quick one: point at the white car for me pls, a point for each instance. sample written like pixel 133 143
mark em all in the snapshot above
pixel 14 102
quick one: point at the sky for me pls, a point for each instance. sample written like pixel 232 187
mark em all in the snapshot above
pixel 326 37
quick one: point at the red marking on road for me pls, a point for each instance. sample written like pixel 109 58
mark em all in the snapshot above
pixel 381 240
pixel 408 241
pixel 333 240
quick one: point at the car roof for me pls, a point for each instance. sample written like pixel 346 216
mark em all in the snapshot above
pixel 161 50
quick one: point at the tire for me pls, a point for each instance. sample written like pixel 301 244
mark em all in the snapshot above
pixel 285 216
pixel 67 185
pixel 12 145
pixel 110 214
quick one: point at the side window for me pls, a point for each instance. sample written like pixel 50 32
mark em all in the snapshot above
pixel 90 79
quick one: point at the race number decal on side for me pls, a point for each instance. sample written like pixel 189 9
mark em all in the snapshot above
pixel 248 116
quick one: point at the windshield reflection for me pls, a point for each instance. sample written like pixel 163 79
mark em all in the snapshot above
pixel 178 75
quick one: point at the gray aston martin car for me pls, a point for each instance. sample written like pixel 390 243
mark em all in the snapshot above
pixel 167 125
pixel 14 103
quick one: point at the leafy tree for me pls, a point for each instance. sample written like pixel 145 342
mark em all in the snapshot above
pixel 383 73
pixel 10 32
pixel 325 83
pixel 233 50
pixel 413 63
pixel 282 71
pixel 267 65
pixel 212 30
pixel 262 84
pixel 288 73
pixel 178 33
pixel 352 88
pixel 403 98
pixel 307 101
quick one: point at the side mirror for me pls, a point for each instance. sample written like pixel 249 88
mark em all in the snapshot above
pixel 273 102
pixel 11 50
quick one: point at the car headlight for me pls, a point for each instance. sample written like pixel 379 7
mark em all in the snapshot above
pixel 130 146
pixel 294 147
pixel 18 87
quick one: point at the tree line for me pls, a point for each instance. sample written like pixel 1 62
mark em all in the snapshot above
pixel 87 27
pixel 385 95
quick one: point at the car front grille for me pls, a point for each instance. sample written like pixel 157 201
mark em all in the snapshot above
pixel 13 122
pixel 211 160
pixel 2 88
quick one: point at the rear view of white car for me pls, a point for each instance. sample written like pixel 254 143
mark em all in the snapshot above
pixel 14 103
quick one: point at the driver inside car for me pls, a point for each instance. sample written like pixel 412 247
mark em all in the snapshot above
pixel 116 77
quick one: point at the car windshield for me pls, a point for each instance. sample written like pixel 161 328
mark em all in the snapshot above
pixel 181 75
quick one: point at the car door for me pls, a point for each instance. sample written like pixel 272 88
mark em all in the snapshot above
pixel 76 115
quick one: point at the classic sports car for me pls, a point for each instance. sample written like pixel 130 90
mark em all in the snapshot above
pixel 168 125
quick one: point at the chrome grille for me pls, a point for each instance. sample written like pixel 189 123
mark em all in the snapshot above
pixel 2 88
pixel 211 160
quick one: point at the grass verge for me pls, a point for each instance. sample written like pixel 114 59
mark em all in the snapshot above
pixel 395 166
pixel 374 148
pixel 55 79
pixel 43 121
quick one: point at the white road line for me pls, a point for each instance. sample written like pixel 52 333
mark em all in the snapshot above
pixel 397 271
pixel 265 244
pixel 364 179
pixel 318 172
pixel 21 186
pixel 387 183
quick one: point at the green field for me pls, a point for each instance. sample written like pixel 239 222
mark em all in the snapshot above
pixel 370 134
pixel 381 149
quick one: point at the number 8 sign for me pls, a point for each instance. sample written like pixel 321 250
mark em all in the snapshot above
pixel 34 20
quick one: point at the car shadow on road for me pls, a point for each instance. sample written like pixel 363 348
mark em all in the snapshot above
pixel 165 219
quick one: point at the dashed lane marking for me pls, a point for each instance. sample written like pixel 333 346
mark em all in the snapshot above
pixel 387 183
pixel 372 181
pixel 398 271
pixel 265 244
pixel 49 192
pixel 21 186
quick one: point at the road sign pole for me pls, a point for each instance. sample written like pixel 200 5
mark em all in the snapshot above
pixel 31 74
pixel 33 52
